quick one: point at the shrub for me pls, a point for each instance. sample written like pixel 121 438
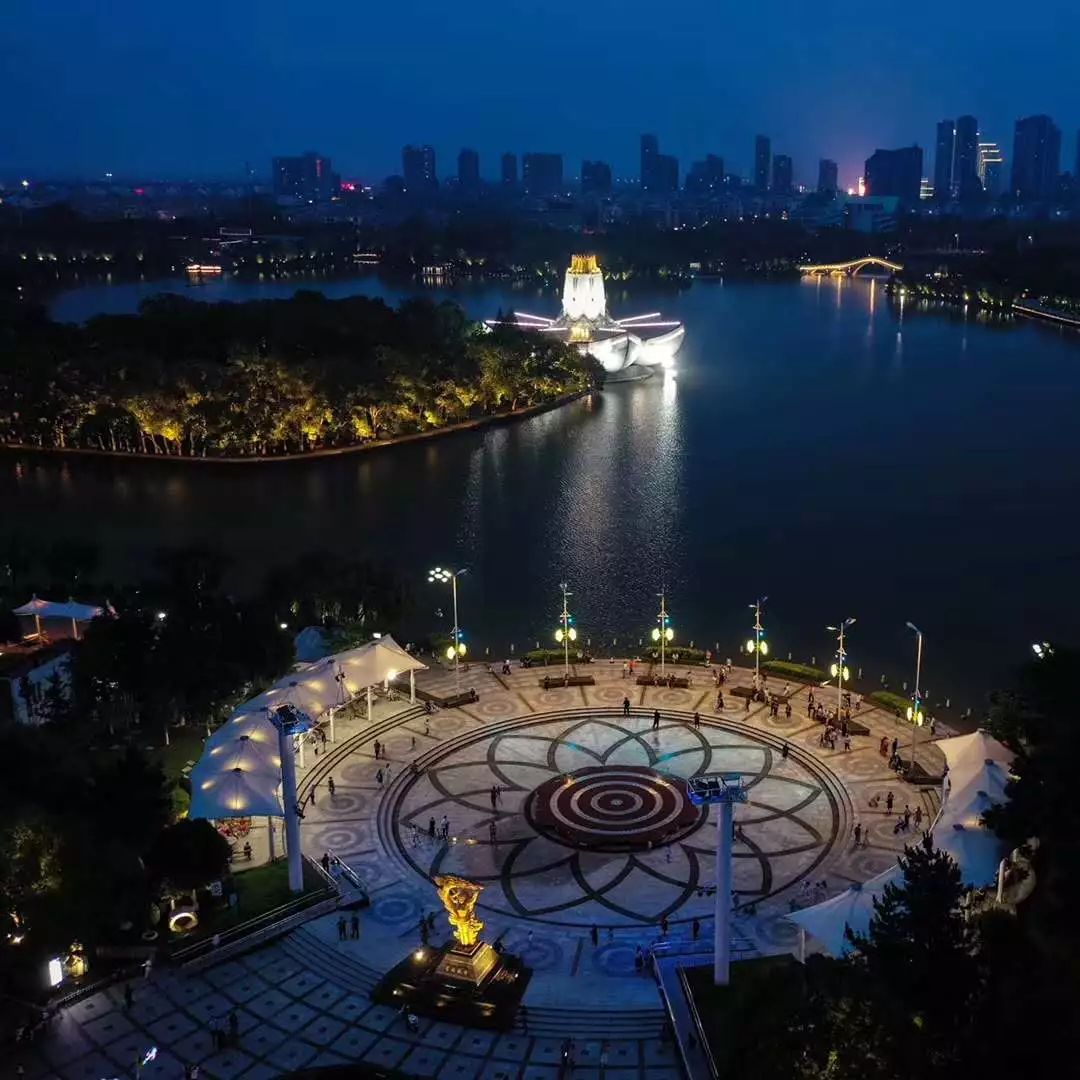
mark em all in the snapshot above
pixel 804 672
pixel 674 654
pixel 888 700
pixel 556 656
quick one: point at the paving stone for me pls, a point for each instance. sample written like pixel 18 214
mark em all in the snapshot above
pixel 261 1039
pixel 299 984
pixel 353 1043
pixel 206 1008
pixel 460 1067
pixel 89 1067
pixel 294 1016
pixel 443 1035
pixel 658 1053
pixel 175 1025
pixel 423 1061
pixel 512 1047
pixel 323 1030
pixel 108 1028
pixel 194 1047
pixel 184 991
pixel 245 988
pixel 387 1052
pixel 262 1071
pixel 150 1006
pixel 324 996
pixel 350 1008
pixel 502 1070
pixel 226 1064
pixel 268 1005
pixel 476 1042
pixel 291 1054
pixel 228 972
pixel 540 1072
pixel 90 1008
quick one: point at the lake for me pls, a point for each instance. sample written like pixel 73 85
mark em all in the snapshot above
pixel 819 444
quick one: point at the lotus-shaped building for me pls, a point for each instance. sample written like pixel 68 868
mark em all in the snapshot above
pixel 626 348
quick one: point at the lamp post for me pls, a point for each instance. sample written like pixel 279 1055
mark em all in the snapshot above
pixel 839 670
pixel 441 575
pixel 724 789
pixel 915 712
pixel 566 631
pixel 757 644
pixel 290 722
pixel 663 633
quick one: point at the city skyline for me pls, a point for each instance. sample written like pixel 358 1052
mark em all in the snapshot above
pixel 263 84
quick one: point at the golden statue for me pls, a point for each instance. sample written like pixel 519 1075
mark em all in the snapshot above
pixel 584 264
pixel 459 897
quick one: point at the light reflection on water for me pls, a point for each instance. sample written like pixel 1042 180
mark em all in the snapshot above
pixel 834 449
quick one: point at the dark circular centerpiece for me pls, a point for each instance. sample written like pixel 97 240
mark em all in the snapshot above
pixel 614 808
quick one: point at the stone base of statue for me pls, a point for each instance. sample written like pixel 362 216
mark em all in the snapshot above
pixel 472 985
pixel 470 964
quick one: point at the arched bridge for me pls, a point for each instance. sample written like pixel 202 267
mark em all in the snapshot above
pixel 852 267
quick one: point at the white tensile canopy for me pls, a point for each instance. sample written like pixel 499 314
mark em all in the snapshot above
pixel 240 769
pixel 52 609
pixel 978 774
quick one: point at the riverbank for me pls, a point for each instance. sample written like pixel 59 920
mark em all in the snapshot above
pixel 320 452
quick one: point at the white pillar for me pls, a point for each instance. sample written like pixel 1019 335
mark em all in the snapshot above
pixel 270 836
pixel 369 704
pixel 300 743
pixel 722 946
pixel 412 687
pixel 1001 881
pixel 332 711
pixel 802 945
pixel 292 817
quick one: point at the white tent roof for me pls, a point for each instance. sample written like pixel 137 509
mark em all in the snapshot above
pixel 967 754
pixel 247 752
pixel 853 908
pixel 976 850
pixel 374 663
pixel 52 609
pixel 235 793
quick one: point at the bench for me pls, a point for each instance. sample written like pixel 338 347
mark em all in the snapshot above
pixel 671 680
pixel 550 681
pixel 466 697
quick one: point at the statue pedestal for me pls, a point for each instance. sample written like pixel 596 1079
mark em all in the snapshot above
pixel 469 964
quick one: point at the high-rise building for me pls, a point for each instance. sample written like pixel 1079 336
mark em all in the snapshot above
pixel 468 169
pixel 650 151
pixel 307 177
pixel 667 174
pixel 509 170
pixel 762 162
pixel 828 176
pixel 418 169
pixel 966 170
pixel 1036 158
pixel 706 177
pixel 895 172
pixel 991 169
pixel 944 160
pixel 542 173
pixel 782 175
pixel 595 178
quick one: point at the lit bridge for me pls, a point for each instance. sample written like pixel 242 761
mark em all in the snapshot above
pixel 852 267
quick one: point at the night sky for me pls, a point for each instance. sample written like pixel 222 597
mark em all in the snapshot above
pixel 198 89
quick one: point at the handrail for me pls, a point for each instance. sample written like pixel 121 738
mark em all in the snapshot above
pixel 695 1019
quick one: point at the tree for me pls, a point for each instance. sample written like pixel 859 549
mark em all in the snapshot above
pixel 189 854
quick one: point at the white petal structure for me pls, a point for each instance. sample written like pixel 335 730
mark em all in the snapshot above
pixel 639 342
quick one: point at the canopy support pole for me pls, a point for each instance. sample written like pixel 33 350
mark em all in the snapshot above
pixel 369 704
pixel 412 687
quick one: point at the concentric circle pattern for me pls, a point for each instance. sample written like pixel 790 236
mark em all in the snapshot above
pixel 614 808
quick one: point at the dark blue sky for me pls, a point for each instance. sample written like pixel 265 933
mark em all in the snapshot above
pixel 200 88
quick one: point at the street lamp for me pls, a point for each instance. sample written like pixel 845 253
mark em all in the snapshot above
pixel 663 632
pixel 440 576
pixel 566 631
pixel 757 644
pixel 839 670
pixel 915 711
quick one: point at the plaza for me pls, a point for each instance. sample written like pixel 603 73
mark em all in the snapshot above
pixel 476 772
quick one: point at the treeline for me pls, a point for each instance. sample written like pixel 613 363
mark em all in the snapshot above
pixel 184 378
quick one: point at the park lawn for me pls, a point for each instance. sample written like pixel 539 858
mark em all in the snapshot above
pixel 729 1014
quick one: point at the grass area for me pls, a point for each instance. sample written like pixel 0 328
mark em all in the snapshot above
pixel 804 672
pixel 897 703
pixel 675 654
pixel 731 1015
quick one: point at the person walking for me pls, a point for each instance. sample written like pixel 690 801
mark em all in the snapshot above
pixel 656 720
pixel 918 816
pixel 311 795
pixel 354 926
pixel 330 785
pixel 625 669
pixel 445 827
pixel 784 750
pixel 129 996
pixel 342 929
pixel 594 935
pixel 858 834
pixel 626 706
pixel 787 710
pixel 494 797
pixel 376 749
pixel 889 803
pixel 234 1027
pixel 695 929
pixel 431 828
pixel 379 778
pixel 747 702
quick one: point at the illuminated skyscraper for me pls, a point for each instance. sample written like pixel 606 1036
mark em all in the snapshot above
pixel 965 174
pixel 782 175
pixel 991 169
pixel 827 176
pixel 1036 158
pixel 944 160
pixel 307 177
pixel 418 168
pixel 895 172
pixel 762 162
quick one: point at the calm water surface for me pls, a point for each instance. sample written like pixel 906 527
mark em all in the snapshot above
pixel 818 445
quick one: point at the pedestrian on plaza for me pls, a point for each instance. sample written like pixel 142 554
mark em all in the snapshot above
pixel 494 797
pixel 656 720
pixel 787 710
pixel 695 929
pixel 431 828
pixel 784 750
pixel 594 935
pixel 639 960
pixel 697 720
pixel 894 748
pixel 342 929
pixel 354 926
pixel 603 1057
pixel 523 1012
pixel 663 926
pixel 907 817
pixel 445 827
pixel 847 742
pixel 234 1026
pixel 330 785
pixel 883 746
pixel 625 669
pixel 933 726
pixel 889 803
pixel 379 779
pixel 492 834
pixel 626 706
pixel 858 834
pixel 422 927
pixel 376 749
pixel 747 702
pixel 389 772
pixel 247 850
pixel 918 816
pixel 129 996
pixel 216 1033
pixel 311 795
